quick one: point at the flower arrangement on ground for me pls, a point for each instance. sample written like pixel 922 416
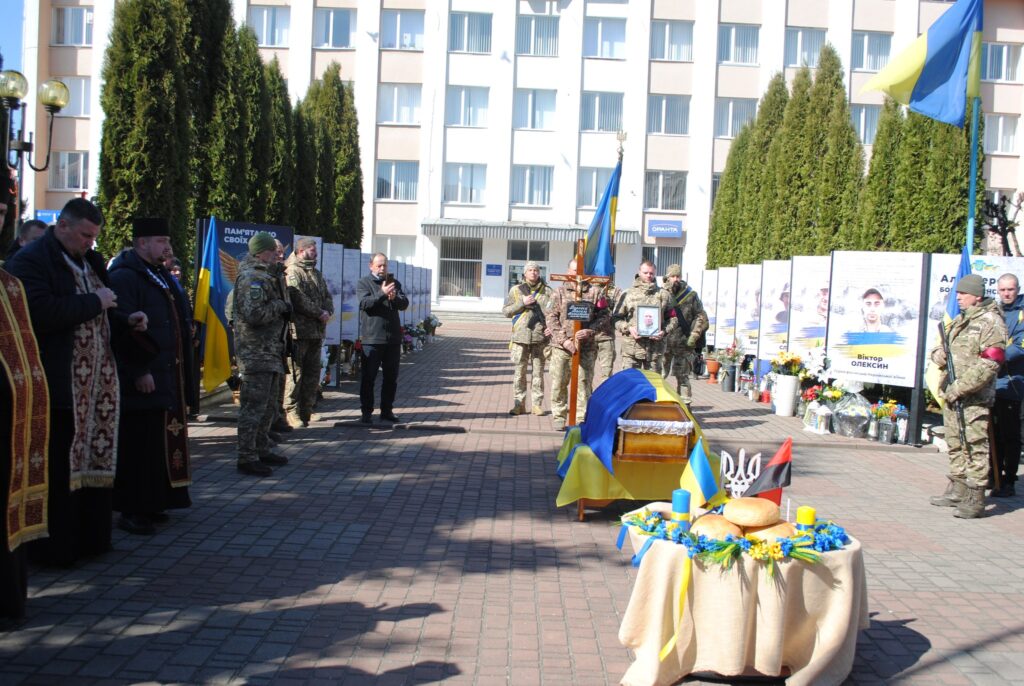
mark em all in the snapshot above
pixel 788 364
pixel 887 409
pixel 729 356
pixel 431 324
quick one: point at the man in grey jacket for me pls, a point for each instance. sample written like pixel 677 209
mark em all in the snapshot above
pixel 380 300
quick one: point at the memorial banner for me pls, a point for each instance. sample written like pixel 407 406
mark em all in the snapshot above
pixel 808 310
pixel 775 297
pixel 233 237
pixel 725 332
pixel 332 261
pixel 709 297
pixel 350 274
pixel 748 307
pixel 400 271
pixel 874 312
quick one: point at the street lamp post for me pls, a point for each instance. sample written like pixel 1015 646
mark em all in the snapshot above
pixel 53 96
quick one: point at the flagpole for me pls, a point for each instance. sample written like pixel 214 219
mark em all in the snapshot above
pixel 973 183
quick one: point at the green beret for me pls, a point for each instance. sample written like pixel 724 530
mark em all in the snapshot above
pixel 260 242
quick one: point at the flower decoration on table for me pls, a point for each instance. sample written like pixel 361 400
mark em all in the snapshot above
pixel 788 364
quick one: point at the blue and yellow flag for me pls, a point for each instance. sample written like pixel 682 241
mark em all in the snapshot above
pixel 941 69
pixel 597 259
pixel 211 297
pixel 701 480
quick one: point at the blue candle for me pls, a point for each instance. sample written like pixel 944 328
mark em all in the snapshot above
pixel 681 501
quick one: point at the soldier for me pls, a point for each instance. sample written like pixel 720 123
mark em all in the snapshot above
pixel 261 325
pixel 313 306
pixel 681 345
pixel 1009 387
pixel 564 344
pixel 644 352
pixel 605 335
pixel 525 305
pixel 977 341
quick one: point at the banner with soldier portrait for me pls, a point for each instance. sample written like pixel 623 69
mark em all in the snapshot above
pixel 748 307
pixel 332 264
pixel 709 297
pixel 725 333
pixel 808 303
pixel 775 297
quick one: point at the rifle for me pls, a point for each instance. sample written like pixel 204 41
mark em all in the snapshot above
pixel 951 378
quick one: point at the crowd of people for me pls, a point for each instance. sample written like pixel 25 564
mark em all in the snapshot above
pixel 662 328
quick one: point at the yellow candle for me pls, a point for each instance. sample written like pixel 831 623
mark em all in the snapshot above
pixel 805 516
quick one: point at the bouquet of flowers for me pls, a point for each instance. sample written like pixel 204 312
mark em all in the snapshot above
pixel 430 324
pixel 787 364
pixel 811 394
pixel 731 355
pixel 887 409
pixel 832 393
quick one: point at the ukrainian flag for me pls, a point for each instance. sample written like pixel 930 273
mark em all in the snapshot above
pixel 941 69
pixel 932 374
pixel 702 480
pixel 211 296
pixel 597 259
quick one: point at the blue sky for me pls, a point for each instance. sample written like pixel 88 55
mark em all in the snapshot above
pixel 10 33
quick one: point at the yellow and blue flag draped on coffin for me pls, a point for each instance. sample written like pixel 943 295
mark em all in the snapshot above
pixel 932 374
pixel 597 257
pixel 585 459
pixel 211 297
pixel 941 69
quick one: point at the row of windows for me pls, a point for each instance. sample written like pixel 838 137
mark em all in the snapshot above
pixel 531 185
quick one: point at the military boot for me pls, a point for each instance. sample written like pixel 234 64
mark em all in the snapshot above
pixel 955 491
pixel 517 409
pixel 973 503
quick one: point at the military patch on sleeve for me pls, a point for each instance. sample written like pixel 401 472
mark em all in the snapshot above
pixel 293 280
pixel 256 290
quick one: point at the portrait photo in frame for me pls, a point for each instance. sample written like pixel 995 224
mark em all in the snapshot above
pixel 648 320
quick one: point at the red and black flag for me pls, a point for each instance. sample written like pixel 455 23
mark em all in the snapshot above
pixel 774 476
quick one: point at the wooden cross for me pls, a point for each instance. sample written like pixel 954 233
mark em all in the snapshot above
pixel 581 278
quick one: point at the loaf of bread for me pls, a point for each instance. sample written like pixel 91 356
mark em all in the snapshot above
pixel 751 512
pixel 715 526
pixel 770 533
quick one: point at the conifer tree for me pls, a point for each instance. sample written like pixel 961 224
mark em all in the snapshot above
pixel 839 181
pixel 723 239
pixel 877 199
pixel 909 204
pixel 280 178
pixel 145 144
pixel 349 187
pixel 790 163
pixel 226 155
pixel 304 205
pixel 258 134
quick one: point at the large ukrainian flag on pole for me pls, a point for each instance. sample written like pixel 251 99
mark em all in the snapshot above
pixel 941 69
pixel 597 259
pixel 211 297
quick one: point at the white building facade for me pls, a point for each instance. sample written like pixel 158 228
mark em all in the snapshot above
pixel 488 128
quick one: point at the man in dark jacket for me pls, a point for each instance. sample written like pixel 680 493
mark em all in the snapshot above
pixel 76 323
pixel 153 471
pixel 1009 387
pixel 380 300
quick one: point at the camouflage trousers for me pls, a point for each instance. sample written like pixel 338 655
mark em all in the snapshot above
pixel 561 371
pixel 605 359
pixel 303 380
pixel 257 411
pixel 971 461
pixel 523 355
pixel 649 355
pixel 678 362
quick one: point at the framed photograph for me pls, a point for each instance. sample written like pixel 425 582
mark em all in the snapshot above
pixel 648 320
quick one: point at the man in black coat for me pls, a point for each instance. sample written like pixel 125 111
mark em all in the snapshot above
pixel 153 471
pixel 76 325
pixel 380 300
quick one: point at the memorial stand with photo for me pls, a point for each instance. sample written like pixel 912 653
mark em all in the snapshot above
pixel 648 320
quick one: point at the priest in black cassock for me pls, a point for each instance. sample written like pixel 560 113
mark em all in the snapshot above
pixel 153 470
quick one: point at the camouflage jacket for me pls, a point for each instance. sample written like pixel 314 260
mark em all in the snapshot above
pixel 559 323
pixel 528 323
pixel 309 296
pixel 610 296
pixel 258 314
pixel 688 310
pixel 973 331
pixel 642 293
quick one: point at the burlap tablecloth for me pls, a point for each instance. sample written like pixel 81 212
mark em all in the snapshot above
pixel 805 620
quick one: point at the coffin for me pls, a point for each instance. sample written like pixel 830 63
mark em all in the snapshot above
pixel 654 432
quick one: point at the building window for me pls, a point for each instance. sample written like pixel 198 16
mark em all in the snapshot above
pixel 401 29
pixel 1000 62
pixel 593 181
pixel 672 40
pixel 80 104
pixel 270 24
pixel 737 44
pixel 531 185
pixel 464 183
pixel 397 180
pixel 537 35
pixel 398 103
pixel 731 114
pixel 997 195
pixel 604 37
pixel 466 106
pixel 803 46
pixel 716 181
pixel 69 171
pixel 459 267
pixel 665 190
pixel 668 114
pixel 1001 133
pixel 533 109
pixel 72 26
pixel 334 28
pixel 469 32
pixel 662 256
pixel 601 112
pixel 528 251
pixel 870 50
pixel 865 121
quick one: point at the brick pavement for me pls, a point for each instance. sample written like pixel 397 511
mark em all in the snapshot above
pixel 433 552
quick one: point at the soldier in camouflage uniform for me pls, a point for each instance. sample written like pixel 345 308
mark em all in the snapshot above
pixel 260 316
pixel 977 341
pixel 681 344
pixel 525 305
pixel 644 352
pixel 564 345
pixel 313 306
pixel 605 336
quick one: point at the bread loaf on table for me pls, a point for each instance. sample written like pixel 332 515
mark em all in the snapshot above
pixel 751 512
pixel 770 533
pixel 715 526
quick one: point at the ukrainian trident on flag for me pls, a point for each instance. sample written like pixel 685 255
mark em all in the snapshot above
pixel 597 258
pixel 211 297
pixel 941 69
